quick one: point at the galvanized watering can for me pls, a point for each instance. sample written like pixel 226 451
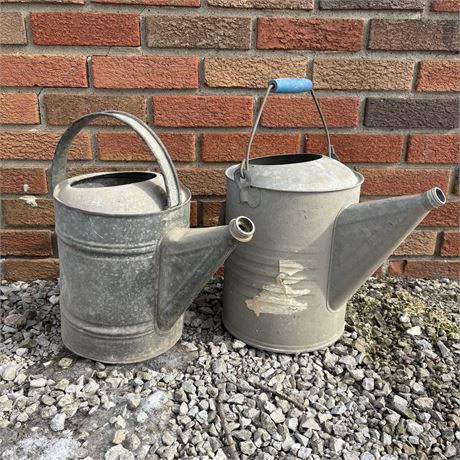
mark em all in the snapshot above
pixel 287 290
pixel 130 266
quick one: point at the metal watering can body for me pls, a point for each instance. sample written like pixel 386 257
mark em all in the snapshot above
pixel 286 291
pixel 129 264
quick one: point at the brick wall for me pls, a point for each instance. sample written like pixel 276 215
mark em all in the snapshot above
pixel 386 71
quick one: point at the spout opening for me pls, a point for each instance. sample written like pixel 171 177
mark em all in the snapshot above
pixel 242 228
pixel 440 195
pixel 435 198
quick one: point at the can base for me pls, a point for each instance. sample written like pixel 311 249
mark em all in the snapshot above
pixel 117 349
pixel 137 359
pixel 283 349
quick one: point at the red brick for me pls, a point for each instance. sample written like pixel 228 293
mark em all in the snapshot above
pixel 415 113
pixel 433 148
pixel 19 109
pixel 12 29
pixel 425 268
pixel 211 212
pixel 63 109
pixel 41 145
pixel 145 72
pixel 204 32
pixel 450 244
pixel 190 3
pixel 403 181
pixel 85 29
pixel 231 147
pixel 418 243
pixel 300 112
pixel 193 214
pixel 31 269
pixel 310 34
pixel 62 2
pixel 251 72
pixel 446 216
pixel 445 5
pixel 414 35
pixel 439 75
pixel 29 213
pixel 456 190
pixel 203 181
pixel 264 4
pixel 196 111
pixel 127 146
pixel 365 74
pixel 23 181
pixel 39 70
pixel 25 243
pixel 372 4
pixel 356 148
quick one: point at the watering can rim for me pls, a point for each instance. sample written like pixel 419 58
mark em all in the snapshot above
pixel 232 172
pixel 185 192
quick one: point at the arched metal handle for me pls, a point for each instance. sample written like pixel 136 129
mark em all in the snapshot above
pixel 285 85
pixel 153 142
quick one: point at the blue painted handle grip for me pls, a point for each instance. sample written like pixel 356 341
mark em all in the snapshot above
pixel 291 85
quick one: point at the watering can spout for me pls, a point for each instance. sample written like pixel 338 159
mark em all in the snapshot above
pixel 189 257
pixel 366 234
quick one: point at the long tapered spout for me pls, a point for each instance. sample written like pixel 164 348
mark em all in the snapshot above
pixel 188 259
pixel 366 234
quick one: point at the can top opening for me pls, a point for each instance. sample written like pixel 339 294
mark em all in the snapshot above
pixel 289 158
pixel 113 179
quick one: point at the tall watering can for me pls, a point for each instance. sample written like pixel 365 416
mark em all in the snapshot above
pixel 129 264
pixel 286 291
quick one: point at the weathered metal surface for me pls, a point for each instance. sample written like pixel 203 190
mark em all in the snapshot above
pixel 275 287
pixel 130 266
pixel 286 291
pixel 366 234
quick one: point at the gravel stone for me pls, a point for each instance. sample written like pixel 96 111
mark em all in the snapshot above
pixel 424 403
pixel 38 383
pixel 367 456
pixel 119 436
pixel 414 331
pixel 9 372
pixel 414 428
pixel 57 422
pixel 118 452
pixel 368 383
pixel 377 393
pixel 65 362
pixel 133 400
pixel 277 416
pixel 247 447
pixel 219 366
pixel 445 353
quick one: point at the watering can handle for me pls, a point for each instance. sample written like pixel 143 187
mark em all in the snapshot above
pixel 59 166
pixel 286 85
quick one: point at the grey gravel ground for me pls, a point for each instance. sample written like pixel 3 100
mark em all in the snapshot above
pixel 388 389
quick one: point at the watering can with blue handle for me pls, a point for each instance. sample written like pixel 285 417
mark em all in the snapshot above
pixel 286 290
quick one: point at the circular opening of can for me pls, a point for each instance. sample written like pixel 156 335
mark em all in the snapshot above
pixel 113 179
pixel 290 158
pixel 245 225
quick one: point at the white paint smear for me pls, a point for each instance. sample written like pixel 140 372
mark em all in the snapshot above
pixel 282 297
pixel 30 200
